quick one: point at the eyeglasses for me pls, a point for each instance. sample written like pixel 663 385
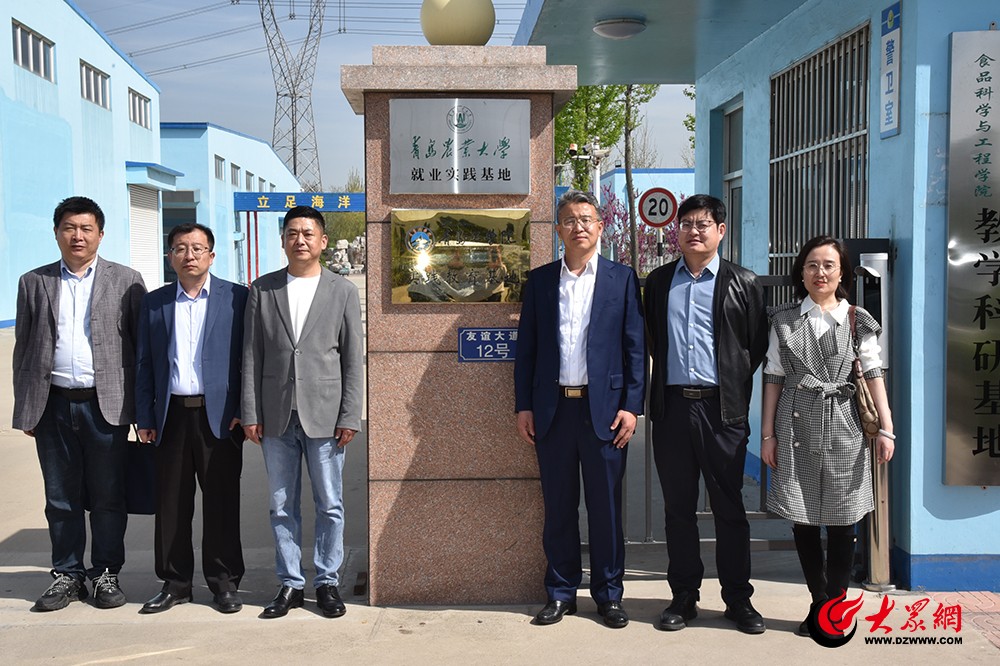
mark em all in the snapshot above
pixel 196 250
pixel 700 225
pixel 570 222
pixel 816 267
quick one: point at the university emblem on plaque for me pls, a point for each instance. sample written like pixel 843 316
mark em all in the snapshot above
pixel 460 119
pixel 419 239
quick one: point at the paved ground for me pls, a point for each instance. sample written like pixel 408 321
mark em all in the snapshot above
pixel 194 633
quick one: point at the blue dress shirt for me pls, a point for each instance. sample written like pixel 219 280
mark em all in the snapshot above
pixel 690 327
pixel 186 343
pixel 73 362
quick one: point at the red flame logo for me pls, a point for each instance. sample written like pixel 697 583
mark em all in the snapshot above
pixel 836 615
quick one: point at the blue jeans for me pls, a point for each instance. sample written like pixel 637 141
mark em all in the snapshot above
pixel 325 462
pixel 83 459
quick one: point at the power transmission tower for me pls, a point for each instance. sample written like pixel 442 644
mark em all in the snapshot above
pixel 294 136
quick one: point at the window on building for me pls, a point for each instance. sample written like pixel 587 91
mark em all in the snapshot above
pixel 819 149
pixel 220 168
pixel 138 109
pixel 249 187
pixel 94 85
pixel 33 52
pixel 273 187
pixel 260 184
pixel 732 177
pixel 234 175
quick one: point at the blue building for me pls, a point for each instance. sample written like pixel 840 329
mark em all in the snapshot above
pixel 216 163
pixel 834 117
pixel 77 117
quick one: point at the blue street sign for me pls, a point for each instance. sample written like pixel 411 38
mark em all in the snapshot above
pixel 478 345
pixel 279 202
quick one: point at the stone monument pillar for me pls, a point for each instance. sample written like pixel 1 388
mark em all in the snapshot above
pixel 455 505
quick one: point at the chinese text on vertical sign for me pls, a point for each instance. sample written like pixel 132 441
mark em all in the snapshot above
pixel 892 28
pixel 973 407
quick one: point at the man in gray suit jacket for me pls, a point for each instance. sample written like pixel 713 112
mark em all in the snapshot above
pixel 302 396
pixel 74 372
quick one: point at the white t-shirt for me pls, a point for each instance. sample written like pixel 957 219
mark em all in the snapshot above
pixel 301 291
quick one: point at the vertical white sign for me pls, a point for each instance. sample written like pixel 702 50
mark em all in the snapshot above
pixel 972 445
pixel 889 71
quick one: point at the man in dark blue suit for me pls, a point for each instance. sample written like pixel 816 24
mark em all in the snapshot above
pixel 187 403
pixel 579 384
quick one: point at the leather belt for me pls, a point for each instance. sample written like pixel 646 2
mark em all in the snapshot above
pixel 573 391
pixel 75 394
pixel 698 392
pixel 190 401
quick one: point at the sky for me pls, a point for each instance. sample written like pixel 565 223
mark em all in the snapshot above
pixel 209 59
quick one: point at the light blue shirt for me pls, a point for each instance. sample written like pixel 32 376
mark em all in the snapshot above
pixel 186 343
pixel 690 327
pixel 73 363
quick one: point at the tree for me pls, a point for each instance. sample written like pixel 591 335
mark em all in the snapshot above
pixel 616 236
pixel 347 225
pixel 689 118
pixel 635 95
pixel 594 112
pixel 644 152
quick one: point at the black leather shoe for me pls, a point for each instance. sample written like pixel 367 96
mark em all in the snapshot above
pixel 682 609
pixel 613 613
pixel 227 602
pixel 163 601
pixel 286 599
pixel 554 611
pixel 329 601
pixel 746 617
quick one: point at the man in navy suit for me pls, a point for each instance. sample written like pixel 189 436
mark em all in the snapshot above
pixel 579 384
pixel 187 402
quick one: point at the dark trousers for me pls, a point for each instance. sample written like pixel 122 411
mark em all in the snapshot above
pixel 82 458
pixel 569 446
pixel 187 450
pixel 692 440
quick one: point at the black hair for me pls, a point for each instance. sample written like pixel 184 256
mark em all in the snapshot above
pixel 714 206
pixel 187 228
pixel 77 206
pixel 846 270
pixel 304 211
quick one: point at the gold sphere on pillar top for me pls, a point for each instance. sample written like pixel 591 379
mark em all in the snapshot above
pixel 457 22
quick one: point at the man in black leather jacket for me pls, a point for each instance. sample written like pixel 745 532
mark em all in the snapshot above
pixel 707 333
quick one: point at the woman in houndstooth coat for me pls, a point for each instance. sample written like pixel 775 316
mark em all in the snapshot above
pixel 811 433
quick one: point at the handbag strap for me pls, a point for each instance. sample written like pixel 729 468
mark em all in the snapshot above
pixel 852 315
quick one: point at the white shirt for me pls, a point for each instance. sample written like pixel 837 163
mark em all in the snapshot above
pixel 186 344
pixel 301 291
pixel 822 322
pixel 576 297
pixel 73 362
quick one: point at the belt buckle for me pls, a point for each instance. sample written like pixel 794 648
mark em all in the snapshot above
pixel 573 392
pixel 191 401
pixel 691 393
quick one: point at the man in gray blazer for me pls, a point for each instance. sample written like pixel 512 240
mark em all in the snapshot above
pixel 302 396
pixel 74 372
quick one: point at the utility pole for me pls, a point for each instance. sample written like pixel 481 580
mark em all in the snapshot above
pixel 294 135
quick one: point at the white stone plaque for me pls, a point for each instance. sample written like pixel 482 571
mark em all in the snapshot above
pixel 459 146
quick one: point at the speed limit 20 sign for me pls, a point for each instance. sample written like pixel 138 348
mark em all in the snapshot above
pixel 657 207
